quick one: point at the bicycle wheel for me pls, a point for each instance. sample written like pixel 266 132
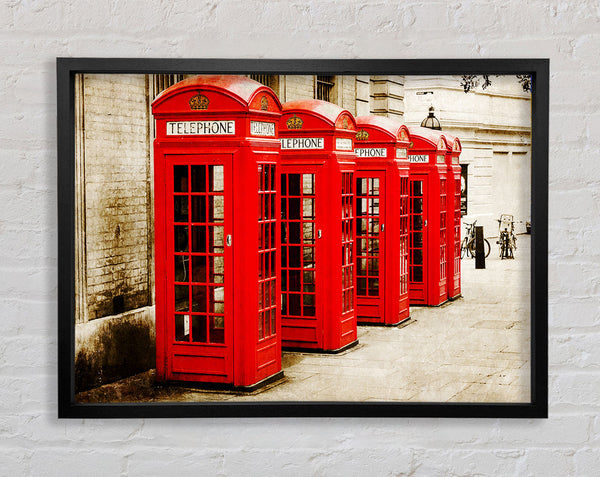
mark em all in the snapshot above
pixel 486 248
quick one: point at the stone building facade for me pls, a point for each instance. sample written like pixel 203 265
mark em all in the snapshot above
pixel 114 198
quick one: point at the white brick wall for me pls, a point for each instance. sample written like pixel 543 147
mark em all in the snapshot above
pixel 33 442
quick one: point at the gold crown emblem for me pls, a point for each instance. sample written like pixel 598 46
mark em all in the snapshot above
pixel 362 135
pixel 199 102
pixel 294 122
pixel 264 103
pixel 441 144
pixel 403 136
pixel 345 122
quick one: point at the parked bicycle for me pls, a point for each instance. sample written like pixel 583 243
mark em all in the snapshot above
pixel 467 246
pixel 507 240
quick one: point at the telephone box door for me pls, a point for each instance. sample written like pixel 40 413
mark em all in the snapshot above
pixel 370 243
pixel 302 325
pixel 418 240
pixel 199 261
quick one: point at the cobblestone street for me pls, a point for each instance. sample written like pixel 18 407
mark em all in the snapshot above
pixel 474 349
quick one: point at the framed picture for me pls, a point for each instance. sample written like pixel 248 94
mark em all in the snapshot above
pixel 291 238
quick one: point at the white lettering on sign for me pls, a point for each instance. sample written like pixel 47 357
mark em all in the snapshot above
pixel 441 158
pixel 260 128
pixel 200 128
pixel 418 158
pixel 401 153
pixel 302 143
pixel 370 152
pixel 343 144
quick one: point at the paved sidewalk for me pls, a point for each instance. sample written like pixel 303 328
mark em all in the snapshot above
pixel 474 349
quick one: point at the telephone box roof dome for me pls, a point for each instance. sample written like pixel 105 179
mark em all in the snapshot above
pixel 430 136
pixel 241 86
pixel 381 122
pixel 324 109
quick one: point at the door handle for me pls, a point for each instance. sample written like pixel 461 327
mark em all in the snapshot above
pixel 382 227
pixel 319 234
pixel 228 240
pixel 425 223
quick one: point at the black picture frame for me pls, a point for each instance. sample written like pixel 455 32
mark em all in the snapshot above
pixel 67 68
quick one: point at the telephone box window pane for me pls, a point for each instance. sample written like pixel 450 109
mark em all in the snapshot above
pixel 308 184
pixel 272 263
pixel 198 178
pixel 374 246
pixel 182 299
pixel 295 308
pixel 294 283
pixel 182 331
pixel 284 309
pixel 308 288
pixel 308 232
pixel 272 321
pixel 180 214
pixel 417 222
pixel 294 212
pixel 216 208
pixel 373 286
pixel 373 206
pixel 181 268
pixel 199 328
pixel 374 186
pixel 361 186
pixel 199 239
pixel 308 208
pixel 180 178
pixel 216 179
pixel 309 277
pixel 216 300
pixel 418 239
pixel 294 184
pixel 362 286
pixel 309 256
pixel 373 226
pixel 283 184
pixel 294 231
pixel 217 236
pixel 374 266
pixel 361 270
pixel 417 256
pixel 283 281
pixel 417 274
pixel 309 311
pixel 295 254
pixel 198 208
pixel 199 298
pixel 284 254
pixel 417 188
pixel 198 269
pixel 217 329
pixel 181 238
pixel 308 299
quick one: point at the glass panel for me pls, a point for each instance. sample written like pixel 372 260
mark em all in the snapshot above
pixel 294 232
pixel 361 269
pixel 181 268
pixel 294 305
pixel 180 178
pixel 418 239
pixel 294 184
pixel 374 186
pixel 198 208
pixel 284 184
pixel 309 256
pixel 181 326
pixel 294 256
pixel 417 274
pixel 261 317
pixel 373 266
pixel 294 212
pixel 217 269
pixel 199 298
pixel 308 299
pixel 180 213
pixel 198 178
pixel 308 184
pixel 417 222
pixel 361 286
pixel 199 329
pixel 417 188
pixel 217 238
pixel 308 208
pixel 215 178
pixel 216 210
pixel 199 238
pixel 361 186
pixel 182 299
pixel 273 321
pixel 373 226
pixel 309 276
pixel 417 256
pixel 373 286
pixel 181 238
pixel 294 283
pixel 308 229
pixel 216 299
pixel 217 329
pixel 198 269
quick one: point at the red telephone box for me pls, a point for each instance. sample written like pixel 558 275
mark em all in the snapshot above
pixel 381 221
pixel 453 201
pixel 217 234
pixel 317 239
pixel 428 217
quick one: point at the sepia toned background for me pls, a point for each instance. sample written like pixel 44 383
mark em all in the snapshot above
pixel 34 442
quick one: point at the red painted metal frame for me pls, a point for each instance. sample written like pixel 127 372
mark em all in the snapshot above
pixel 333 326
pixel 378 134
pixel 454 217
pixel 247 355
pixel 433 173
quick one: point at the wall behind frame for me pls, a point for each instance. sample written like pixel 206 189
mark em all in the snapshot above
pixel 34 442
